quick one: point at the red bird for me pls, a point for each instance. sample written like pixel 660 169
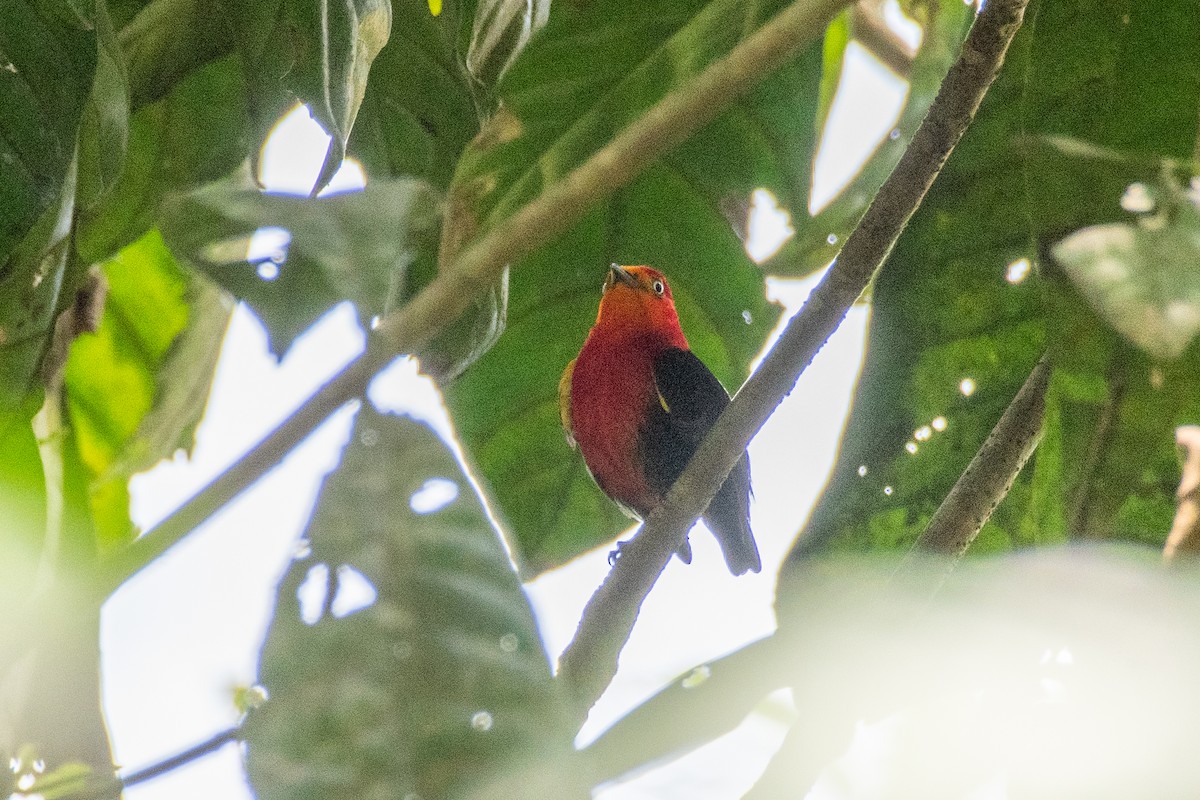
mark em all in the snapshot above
pixel 638 403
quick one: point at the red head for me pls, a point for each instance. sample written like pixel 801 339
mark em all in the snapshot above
pixel 638 300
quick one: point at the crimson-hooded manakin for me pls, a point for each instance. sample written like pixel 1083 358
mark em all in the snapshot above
pixel 638 402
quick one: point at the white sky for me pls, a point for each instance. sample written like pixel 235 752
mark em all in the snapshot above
pixel 180 636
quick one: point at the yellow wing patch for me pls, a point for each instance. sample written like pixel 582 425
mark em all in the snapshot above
pixel 564 402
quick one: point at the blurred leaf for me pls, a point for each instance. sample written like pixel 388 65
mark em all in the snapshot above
pixel 1141 277
pixel 964 296
pixel 607 63
pixel 501 30
pixel 1030 670
pixel 136 388
pixel 168 40
pixel 353 246
pixel 403 659
pixel 197 133
pixel 417 114
pixel 47 67
pixel 333 44
pixel 104 130
pixel 693 710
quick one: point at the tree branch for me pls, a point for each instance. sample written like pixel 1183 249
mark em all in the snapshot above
pixel 991 473
pixel 665 125
pixel 590 661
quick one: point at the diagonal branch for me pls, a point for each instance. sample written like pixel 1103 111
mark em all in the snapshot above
pixel 590 661
pixel 989 476
pixel 665 125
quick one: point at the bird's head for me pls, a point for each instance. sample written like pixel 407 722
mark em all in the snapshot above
pixel 638 299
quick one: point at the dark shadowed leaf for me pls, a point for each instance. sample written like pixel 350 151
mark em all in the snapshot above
pixel 355 246
pixel 169 39
pixel 136 388
pixel 609 62
pixel 333 43
pixel 403 659
pixel 418 113
pixel 104 129
pixel 47 64
pixel 196 134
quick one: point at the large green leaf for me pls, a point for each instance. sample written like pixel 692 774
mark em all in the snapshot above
pixel 333 45
pixel 104 129
pixel 197 133
pixel 962 297
pixel 354 246
pixel 592 70
pixel 168 40
pixel 440 684
pixel 136 388
pixel 418 113
pixel 47 64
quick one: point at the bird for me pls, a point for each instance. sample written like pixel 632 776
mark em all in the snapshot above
pixel 637 402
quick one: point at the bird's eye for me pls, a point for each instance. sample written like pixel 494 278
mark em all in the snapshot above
pixel 659 288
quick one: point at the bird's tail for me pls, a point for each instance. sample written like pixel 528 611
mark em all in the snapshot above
pixel 728 516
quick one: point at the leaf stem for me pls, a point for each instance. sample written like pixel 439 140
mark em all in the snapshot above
pixel 665 125
pixel 590 661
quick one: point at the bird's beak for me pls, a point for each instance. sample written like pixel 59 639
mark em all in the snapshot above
pixel 619 273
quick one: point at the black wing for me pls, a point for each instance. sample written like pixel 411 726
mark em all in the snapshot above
pixel 690 400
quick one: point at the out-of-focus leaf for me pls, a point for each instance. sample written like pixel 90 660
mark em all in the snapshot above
pixel 333 44
pixel 47 68
pixel 1142 277
pixel 403 659
pixel 1028 669
pixel 169 39
pixel 418 113
pixel 501 30
pixel 197 133
pixel 137 387
pixel 960 312
pixel 607 63
pixel 104 130
pixel 353 246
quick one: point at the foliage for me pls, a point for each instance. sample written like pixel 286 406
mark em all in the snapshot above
pixel 1066 222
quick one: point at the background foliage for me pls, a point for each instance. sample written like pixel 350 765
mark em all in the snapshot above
pixel 130 133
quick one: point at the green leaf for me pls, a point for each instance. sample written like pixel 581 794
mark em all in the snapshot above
pixel 418 113
pixel 333 43
pixel 197 133
pixel 168 40
pixel 437 686
pixel 1141 277
pixel 136 388
pixel 47 67
pixel 354 246
pixel 589 72
pixel 966 294
pixel 501 30
pixel 104 130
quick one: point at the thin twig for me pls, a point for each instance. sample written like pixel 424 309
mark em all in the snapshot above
pixel 662 127
pixel 590 661
pixel 1185 530
pixel 991 473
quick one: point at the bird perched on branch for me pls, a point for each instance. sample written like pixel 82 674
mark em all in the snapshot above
pixel 638 402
